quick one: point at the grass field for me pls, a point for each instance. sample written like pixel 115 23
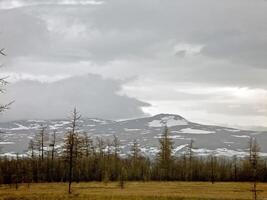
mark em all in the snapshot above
pixel 134 191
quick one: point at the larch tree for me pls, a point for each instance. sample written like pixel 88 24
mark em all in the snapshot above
pixel 31 148
pixel 3 83
pixel 136 158
pixel 254 162
pixel 87 144
pixel 135 151
pixel 41 139
pixel 53 145
pixel 190 160
pixel 70 146
pixel 165 159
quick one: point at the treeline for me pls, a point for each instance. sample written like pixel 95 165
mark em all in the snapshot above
pixel 82 159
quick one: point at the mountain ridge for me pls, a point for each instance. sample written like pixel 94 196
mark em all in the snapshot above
pixel 208 139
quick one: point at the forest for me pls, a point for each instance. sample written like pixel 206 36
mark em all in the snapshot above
pixel 81 160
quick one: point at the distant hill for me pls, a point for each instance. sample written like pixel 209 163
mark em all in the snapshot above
pixel 216 140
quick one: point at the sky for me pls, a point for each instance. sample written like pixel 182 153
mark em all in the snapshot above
pixel 119 59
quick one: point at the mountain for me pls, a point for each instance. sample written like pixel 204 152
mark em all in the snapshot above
pixel 216 140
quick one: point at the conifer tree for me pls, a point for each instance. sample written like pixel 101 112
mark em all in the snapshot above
pixel 165 159
pixel 254 162
pixel 190 160
pixel 70 146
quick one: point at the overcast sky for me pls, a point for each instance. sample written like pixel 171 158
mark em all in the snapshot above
pixel 205 60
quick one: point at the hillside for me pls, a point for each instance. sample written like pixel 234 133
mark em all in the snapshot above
pixel 220 141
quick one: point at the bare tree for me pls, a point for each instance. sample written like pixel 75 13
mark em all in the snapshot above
pixel 2 52
pixel 31 148
pixel 69 147
pixel 3 83
pixel 53 144
pixel 212 168
pixel 116 145
pixel 165 159
pixel 135 151
pixel 87 144
pixel 40 140
pixel 235 167
pixel 190 159
pixel 254 161
pixel 122 177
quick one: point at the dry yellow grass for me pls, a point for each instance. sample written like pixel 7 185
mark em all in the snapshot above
pixel 134 191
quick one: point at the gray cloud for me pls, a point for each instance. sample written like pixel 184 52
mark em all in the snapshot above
pixel 234 42
pixel 13 4
pixel 201 43
pixel 92 95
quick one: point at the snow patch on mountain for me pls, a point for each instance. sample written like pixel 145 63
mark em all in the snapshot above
pixel 169 121
pixel 1 143
pixel 241 136
pixel 195 131
pixel 131 129
pixel 232 130
pixel 178 148
pixel 208 139
pixel 19 127
pixel 170 136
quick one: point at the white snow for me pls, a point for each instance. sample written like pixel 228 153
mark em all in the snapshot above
pixel 12 154
pixel 170 136
pixel 131 129
pixel 241 136
pixel 195 131
pixel 229 152
pixel 52 127
pixel 6 143
pixel 178 148
pixel 99 121
pixel 232 130
pixel 228 142
pixel 168 121
pixel 150 150
pixel 36 121
pixel 96 120
pixel 20 127
pixel 219 152
pixel 202 151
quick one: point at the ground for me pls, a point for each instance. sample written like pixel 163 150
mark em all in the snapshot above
pixel 134 191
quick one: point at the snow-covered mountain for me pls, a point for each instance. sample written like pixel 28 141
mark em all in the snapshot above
pixel 207 139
